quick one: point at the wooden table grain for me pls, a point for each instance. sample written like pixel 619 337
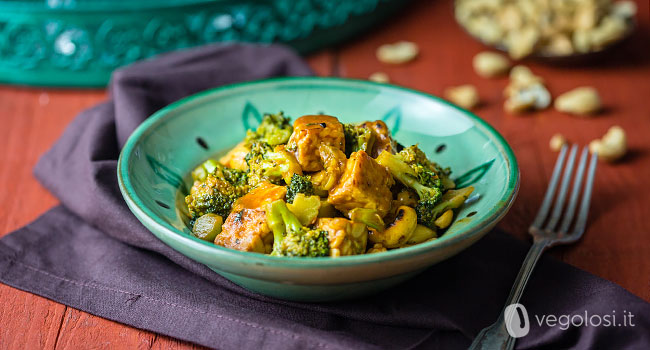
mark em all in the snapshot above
pixel 616 245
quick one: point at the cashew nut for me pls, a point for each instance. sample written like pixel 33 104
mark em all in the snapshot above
pixel 530 97
pixel 444 220
pixel 612 146
pixel 510 18
pixel 377 248
pixel 397 53
pixel 465 96
pixel 523 76
pixel 625 9
pixel 560 45
pixel 399 231
pixel 522 42
pixel 581 101
pixel 556 142
pixel 526 91
pixel 379 77
pixel 610 29
pixel 585 17
pixel 421 234
pixel 490 64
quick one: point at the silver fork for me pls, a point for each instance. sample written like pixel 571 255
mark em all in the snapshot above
pixel 545 236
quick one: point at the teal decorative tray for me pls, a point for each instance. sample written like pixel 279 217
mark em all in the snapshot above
pixel 79 43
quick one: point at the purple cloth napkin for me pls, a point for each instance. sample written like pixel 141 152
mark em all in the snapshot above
pixel 92 254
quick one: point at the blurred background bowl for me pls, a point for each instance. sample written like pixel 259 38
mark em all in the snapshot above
pixel 539 54
pixel 574 59
pixel 78 43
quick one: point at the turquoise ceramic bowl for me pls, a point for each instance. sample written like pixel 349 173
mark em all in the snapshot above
pixel 154 166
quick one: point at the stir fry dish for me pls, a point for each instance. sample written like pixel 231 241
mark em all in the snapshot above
pixel 321 188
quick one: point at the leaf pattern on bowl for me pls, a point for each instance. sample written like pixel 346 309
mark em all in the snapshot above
pixel 166 174
pixel 250 116
pixel 393 118
pixel 473 175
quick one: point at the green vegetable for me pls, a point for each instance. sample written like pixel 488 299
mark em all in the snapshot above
pixel 275 129
pixel 357 138
pixel 290 237
pixel 421 234
pixel 430 173
pixel 202 171
pixel 418 177
pixel 306 208
pixel 368 217
pixel 268 164
pixel 217 192
pixel 452 199
pixel 207 227
pixel 299 184
pixel 233 176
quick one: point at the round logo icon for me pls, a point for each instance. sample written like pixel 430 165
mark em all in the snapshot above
pixel 516 319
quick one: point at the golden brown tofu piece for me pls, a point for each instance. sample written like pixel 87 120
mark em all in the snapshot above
pixel 236 157
pixel 383 140
pixel 364 184
pixel 246 230
pixel 346 237
pixel 260 196
pixel 309 132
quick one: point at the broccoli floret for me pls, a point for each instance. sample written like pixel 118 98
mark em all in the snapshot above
pixel 357 138
pixel 266 163
pixel 299 184
pixel 275 129
pixel 233 176
pixel 429 172
pixel 217 192
pixel 426 171
pixel 418 177
pixel 290 238
pixel 427 213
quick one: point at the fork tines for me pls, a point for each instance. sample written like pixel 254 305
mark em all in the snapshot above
pixel 558 205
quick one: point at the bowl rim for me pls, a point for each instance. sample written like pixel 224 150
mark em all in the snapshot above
pixel 141 211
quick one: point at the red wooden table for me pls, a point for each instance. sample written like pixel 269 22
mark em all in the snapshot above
pixel 616 245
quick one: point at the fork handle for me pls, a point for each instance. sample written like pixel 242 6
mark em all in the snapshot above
pixel 496 336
